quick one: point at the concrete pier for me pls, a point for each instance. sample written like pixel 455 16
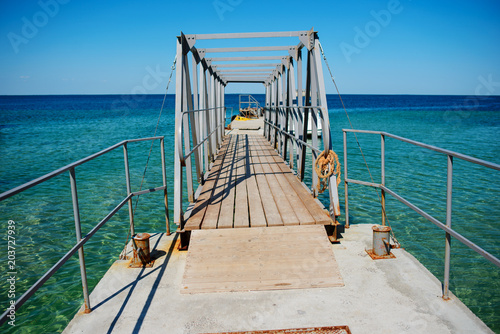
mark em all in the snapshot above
pixel 379 296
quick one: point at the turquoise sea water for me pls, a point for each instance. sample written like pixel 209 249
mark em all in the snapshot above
pixel 41 133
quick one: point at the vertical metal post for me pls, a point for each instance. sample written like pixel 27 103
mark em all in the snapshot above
pixel 294 113
pixel 300 118
pixel 382 159
pixel 284 114
pixel 314 120
pixel 197 116
pixel 346 190
pixel 178 216
pixel 447 251
pixel 287 94
pixel 188 103
pixel 78 230
pixel 223 111
pixel 206 105
pixel 266 126
pixel 217 111
pixel 277 112
pixel 320 84
pixel 129 189
pixel 164 177
pixel 306 114
pixel 213 117
pixel 203 117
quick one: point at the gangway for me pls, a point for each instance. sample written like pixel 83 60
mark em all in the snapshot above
pixel 224 189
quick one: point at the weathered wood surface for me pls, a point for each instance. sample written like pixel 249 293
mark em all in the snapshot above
pixel 286 257
pixel 251 186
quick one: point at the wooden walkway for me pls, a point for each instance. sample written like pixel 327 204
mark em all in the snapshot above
pixel 251 259
pixel 249 185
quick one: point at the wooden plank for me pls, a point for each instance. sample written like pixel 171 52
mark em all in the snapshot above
pixel 271 211
pixel 243 266
pixel 301 214
pixel 241 214
pixel 262 232
pixel 314 209
pixel 286 211
pixel 212 215
pixel 295 199
pixel 199 210
pixel 226 214
pixel 255 207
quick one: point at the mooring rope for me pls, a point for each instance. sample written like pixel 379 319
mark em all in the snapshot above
pixel 123 254
pixel 327 164
pixel 396 242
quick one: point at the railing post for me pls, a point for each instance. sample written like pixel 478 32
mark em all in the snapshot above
pixel 129 190
pixel 447 251
pixel 304 138
pixel 178 185
pixel 164 177
pixel 382 159
pixel 346 188
pixel 78 230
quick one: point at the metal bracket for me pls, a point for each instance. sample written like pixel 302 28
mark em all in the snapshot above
pixel 191 40
pixel 308 39
pixel 201 53
pixel 279 68
pixel 285 61
pixel 185 44
pixel 293 52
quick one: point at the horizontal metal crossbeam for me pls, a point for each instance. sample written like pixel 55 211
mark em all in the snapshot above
pixel 246 58
pixel 246 70
pixel 248 35
pixel 250 49
pixel 247 65
pixel 242 74
pixel 246 80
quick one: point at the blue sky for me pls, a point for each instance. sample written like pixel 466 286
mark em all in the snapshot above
pixel 109 47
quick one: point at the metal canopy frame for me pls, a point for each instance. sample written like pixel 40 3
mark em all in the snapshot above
pixel 200 110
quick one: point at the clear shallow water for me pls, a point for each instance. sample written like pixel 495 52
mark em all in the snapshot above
pixel 41 133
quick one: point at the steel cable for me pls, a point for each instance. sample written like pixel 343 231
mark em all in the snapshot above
pixel 396 242
pixel 123 254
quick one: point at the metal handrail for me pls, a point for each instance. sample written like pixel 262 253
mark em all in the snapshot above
pixel 433 148
pixel 303 145
pixel 288 134
pixel 78 247
pixel 61 170
pixel 178 133
pixel 445 227
pixel 250 101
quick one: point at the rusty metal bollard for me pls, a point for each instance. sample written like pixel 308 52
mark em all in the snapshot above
pixel 141 255
pixel 381 238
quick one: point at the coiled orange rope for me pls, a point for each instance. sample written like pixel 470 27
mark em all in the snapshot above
pixel 327 164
